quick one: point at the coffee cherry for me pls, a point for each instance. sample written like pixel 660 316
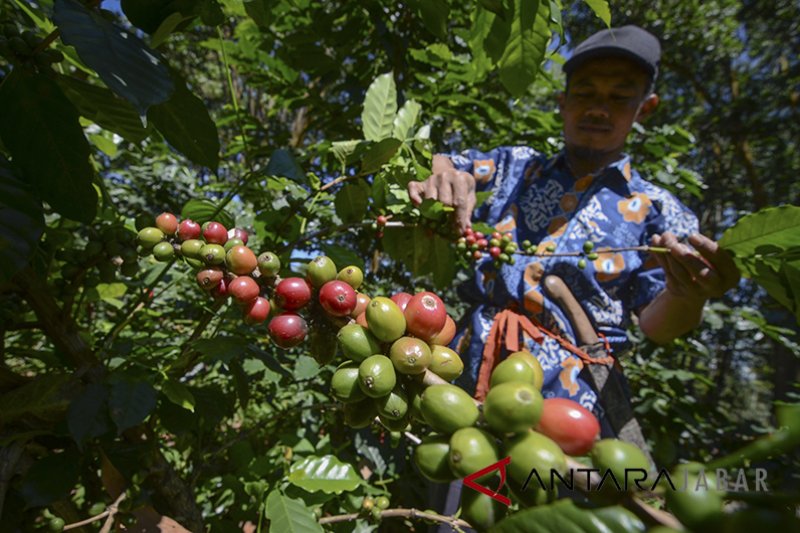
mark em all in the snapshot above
pixel 362 300
pixel 479 235
pixel 191 248
pixel 257 311
pixel 238 233
pixel 592 256
pixel 209 278
pixel 221 290
pixel 337 298
pixel 268 264
pixel 368 503
pixel 163 251
pixel 215 233
pixel 526 244
pixel 212 254
pixel 241 260
pixel 382 502
pixel 230 243
pixel 321 270
pixel 476 255
pixel 495 252
pixel 401 299
pixel 588 246
pixel 352 275
pixel 244 289
pixel 381 220
pixel 482 243
pixel 292 293
pixel 287 330
pixel 167 222
pixel 425 315
pixel 582 263
pixel 189 229
pixel 470 240
pixel 149 237
pixel 550 248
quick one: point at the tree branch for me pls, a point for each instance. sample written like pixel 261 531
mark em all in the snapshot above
pixel 401 513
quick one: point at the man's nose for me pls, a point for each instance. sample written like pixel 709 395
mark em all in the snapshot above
pixel 598 108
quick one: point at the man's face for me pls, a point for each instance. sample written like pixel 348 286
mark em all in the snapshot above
pixel 604 98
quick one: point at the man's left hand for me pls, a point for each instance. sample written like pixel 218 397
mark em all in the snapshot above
pixel 707 273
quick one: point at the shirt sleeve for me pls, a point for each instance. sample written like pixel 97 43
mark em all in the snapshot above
pixel 668 215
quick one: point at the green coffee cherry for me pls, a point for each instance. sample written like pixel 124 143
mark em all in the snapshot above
pixel 588 246
pixel 592 256
pixel 550 248
pixel 212 254
pixel 149 237
pixel 230 243
pixel 582 263
pixel 163 251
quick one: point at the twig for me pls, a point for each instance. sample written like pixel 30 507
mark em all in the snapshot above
pixel 651 249
pixel 110 511
pixel 401 513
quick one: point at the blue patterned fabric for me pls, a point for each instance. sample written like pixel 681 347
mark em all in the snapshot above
pixel 539 200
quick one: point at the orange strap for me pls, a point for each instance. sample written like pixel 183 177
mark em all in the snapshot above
pixel 505 330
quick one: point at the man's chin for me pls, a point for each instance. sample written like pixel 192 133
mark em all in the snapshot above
pixel 589 153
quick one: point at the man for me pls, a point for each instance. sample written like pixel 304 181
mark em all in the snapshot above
pixel 589 192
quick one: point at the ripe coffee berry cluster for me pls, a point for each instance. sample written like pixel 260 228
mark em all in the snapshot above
pixel 389 347
pixel 324 292
pixel 225 266
pixel 474 245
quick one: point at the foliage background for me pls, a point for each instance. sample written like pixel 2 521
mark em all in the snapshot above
pixel 198 411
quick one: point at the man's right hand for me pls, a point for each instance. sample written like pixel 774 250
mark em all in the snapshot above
pixel 450 186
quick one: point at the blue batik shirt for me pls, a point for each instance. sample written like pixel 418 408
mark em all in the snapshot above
pixel 538 199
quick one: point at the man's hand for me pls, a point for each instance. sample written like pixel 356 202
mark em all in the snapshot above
pixel 696 277
pixel 450 186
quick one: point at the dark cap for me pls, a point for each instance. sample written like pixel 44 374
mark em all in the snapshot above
pixel 631 42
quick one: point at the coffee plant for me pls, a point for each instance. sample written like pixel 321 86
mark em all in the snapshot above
pixel 221 311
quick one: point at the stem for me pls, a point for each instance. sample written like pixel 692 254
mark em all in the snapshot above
pixel 650 249
pixel 135 306
pixel 109 512
pixel 336 229
pixel 401 513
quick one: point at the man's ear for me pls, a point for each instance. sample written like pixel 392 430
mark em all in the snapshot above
pixel 649 105
pixel 561 98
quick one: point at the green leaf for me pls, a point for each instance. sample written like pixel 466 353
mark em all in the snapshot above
pixel 123 61
pixel 290 515
pixel 104 108
pixel 434 15
pixel 260 11
pixel 148 14
pixel 380 106
pixel 178 393
pixel 305 367
pixel 351 201
pixel 38 119
pixel 342 150
pixel 131 402
pixel 282 163
pixel 87 416
pixel 405 120
pixel 104 144
pixel 327 474
pixel 564 516
pixel 184 122
pixel 526 45
pixel 341 256
pixel 221 348
pixel 45 397
pixel 441 262
pixel 50 479
pixel 774 226
pixel 601 9
pixel 378 154
pixel 201 210
pixel 167 27
pixel 21 222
